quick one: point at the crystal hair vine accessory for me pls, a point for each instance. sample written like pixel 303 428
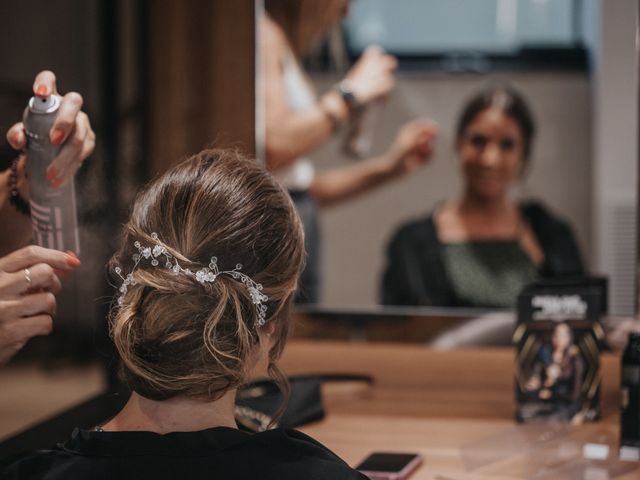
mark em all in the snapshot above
pixel 207 274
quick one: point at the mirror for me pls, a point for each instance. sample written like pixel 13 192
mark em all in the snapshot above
pixel 570 62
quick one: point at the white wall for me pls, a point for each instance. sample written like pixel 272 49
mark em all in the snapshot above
pixel 615 177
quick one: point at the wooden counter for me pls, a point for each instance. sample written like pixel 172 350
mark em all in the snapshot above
pixel 454 407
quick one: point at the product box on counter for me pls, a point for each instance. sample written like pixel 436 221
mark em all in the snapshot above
pixel 558 338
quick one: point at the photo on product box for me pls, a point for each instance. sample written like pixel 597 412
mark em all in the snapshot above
pixel 558 373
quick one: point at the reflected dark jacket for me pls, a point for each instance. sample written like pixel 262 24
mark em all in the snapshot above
pixel 416 275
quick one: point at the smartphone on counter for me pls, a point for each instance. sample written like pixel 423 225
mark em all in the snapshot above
pixel 389 466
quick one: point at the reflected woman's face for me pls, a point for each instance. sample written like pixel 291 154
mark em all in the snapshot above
pixel 491 149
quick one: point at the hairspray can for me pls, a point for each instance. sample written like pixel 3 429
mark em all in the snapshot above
pixel 358 140
pixel 53 210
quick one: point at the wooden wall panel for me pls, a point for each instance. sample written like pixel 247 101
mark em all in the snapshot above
pixel 203 76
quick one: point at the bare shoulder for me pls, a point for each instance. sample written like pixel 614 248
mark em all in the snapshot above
pixel 271 34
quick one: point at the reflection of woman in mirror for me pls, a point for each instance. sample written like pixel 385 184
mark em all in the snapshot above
pixel 557 373
pixel 298 121
pixel 481 248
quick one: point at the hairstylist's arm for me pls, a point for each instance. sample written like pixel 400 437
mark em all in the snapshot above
pixel 72 130
pixel 28 284
pixel 290 133
pixel 372 76
pixel 411 148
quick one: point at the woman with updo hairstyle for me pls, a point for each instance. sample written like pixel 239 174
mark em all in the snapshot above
pixel 207 270
pixel 481 248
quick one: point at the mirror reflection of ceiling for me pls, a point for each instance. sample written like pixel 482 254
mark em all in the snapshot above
pixel 496 26
pixel 571 145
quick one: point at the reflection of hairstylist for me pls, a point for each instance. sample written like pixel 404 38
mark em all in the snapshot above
pixel 480 249
pixel 29 276
pixel 297 121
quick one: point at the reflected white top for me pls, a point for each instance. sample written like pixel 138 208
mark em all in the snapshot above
pixel 299 97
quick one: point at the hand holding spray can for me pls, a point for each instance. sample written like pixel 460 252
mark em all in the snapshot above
pixel 53 210
pixel 361 129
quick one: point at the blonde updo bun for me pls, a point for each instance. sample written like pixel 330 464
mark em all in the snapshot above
pixel 176 336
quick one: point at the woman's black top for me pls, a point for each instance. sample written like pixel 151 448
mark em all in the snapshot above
pixel 416 274
pixel 218 453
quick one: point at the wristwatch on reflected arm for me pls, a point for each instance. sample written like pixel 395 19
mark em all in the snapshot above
pixel 346 92
pixel 340 104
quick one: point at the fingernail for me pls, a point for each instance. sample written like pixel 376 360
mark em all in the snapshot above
pixel 52 174
pixel 72 259
pixel 56 182
pixel 56 136
pixel 42 91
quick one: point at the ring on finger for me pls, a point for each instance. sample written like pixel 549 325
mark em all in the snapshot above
pixel 27 277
